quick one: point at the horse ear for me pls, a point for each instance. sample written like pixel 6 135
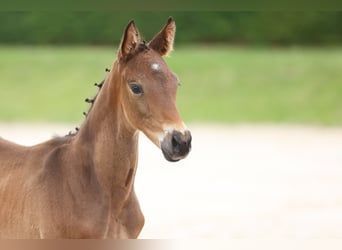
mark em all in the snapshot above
pixel 129 41
pixel 163 41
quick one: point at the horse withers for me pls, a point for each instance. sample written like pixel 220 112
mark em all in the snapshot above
pixel 82 185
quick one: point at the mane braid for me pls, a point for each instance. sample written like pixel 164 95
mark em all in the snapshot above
pixel 91 101
pixel 140 48
pixel 143 46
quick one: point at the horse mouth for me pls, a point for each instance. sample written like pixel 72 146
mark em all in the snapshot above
pixel 169 157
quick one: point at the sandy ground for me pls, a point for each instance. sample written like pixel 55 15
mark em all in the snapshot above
pixel 239 182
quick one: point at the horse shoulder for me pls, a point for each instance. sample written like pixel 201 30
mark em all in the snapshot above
pixel 73 204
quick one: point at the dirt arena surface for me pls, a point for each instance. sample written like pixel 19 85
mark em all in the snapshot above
pixel 239 182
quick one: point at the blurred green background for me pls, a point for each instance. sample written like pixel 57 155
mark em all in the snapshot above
pixel 234 67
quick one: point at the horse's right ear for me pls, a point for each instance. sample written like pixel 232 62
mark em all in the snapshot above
pixel 129 41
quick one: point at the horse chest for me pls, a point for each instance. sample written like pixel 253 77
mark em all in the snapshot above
pixel 128 221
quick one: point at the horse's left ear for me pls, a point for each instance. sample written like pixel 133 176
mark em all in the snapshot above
pixel 129 42
pixel 163 41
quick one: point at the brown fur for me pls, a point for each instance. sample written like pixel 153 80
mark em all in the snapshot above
pixel 82 186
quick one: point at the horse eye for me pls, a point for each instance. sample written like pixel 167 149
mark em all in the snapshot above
pixel 136 89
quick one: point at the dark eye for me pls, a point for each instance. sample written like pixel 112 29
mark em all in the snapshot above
pixel 136 89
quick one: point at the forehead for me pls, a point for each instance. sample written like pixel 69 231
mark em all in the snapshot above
pixel 150 64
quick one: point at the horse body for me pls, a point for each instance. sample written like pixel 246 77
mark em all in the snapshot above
pixel 41 199
pixel 82 185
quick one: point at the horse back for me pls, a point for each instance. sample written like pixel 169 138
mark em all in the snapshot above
pixel 20 171
pixel 11 154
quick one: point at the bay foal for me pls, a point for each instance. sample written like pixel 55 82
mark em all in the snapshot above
pixel 82 185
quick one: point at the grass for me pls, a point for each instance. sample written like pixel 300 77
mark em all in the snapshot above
pixel 219 84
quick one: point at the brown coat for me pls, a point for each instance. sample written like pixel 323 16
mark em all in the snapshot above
pixel 82 185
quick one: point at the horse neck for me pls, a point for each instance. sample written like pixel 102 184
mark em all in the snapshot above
pixel 108 139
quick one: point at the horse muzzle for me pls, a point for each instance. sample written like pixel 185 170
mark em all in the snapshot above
pixel 176 145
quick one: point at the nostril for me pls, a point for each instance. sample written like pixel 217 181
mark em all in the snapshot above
pixel 177 142
pixel 174 141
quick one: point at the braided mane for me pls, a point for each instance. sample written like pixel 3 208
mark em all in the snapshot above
pixel 91 101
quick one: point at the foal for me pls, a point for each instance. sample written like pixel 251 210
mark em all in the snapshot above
pixel 82 185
